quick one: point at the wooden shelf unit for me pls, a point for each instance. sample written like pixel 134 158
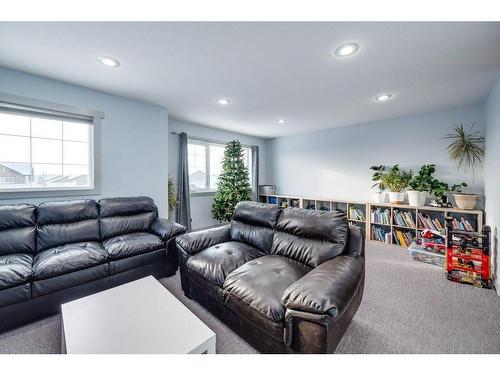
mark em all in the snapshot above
pixel 391 226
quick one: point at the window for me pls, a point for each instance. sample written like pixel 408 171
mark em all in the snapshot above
pixel 205 164
pixel 45 151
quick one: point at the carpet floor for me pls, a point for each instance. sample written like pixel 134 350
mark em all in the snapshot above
pixel 407 307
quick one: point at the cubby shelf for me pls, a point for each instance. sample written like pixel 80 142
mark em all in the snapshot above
pixel 363 210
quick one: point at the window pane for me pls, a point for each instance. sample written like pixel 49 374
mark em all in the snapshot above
pixel 197 167
pixel 46 128
pixel 75 153
pixel 76 175
pixel 14 149
pixel 247 158
pixel 14 124
pixel 46 151
pixel 216 158
pixel 14 175
pixel 45 174
pixel 76 131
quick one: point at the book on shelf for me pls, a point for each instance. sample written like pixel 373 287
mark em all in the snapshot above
pixel 379 216
pixel 356 214
pixel 403 238
pixel 462 224
pixel 380 234
pixel 427 222
pixel 403 219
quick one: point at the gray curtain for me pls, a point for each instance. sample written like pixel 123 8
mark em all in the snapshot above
pixel 183 212
pixel 255 172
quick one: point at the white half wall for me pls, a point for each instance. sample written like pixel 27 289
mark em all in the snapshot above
pixel 201 205
pixel 491 177
pixel 335 163
pixel 133 137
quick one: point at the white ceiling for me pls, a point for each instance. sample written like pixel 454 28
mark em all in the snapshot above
pixel 268 70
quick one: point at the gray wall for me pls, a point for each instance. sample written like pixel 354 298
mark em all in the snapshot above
pixel 201 206
pixel 133 136
pixel 491 167
pixel 335 163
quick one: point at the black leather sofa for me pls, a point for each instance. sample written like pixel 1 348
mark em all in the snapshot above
pixel 285 280
pixel 59 251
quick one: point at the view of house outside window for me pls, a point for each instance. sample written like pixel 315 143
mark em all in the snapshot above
pixel 44 153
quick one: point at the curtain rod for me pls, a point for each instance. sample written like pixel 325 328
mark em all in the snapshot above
pixel 211 140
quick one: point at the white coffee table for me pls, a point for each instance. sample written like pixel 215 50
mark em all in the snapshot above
pixel 139 317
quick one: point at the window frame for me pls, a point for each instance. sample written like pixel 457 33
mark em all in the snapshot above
pixel 207 143
pixel 17 104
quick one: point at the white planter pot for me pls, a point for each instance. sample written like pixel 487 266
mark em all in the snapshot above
pixel 417 198
pixel 379 197
pixel 397 197
pixel 466 201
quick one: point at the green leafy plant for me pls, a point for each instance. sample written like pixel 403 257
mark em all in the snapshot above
pixel 423 180
pixel 377 176
pixel 466 149
pixel 440 188
pixel 233 185
pixel 396 180
pixel 172 197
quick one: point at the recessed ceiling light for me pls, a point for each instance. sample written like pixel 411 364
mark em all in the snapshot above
pixel 383 97
pixel 281 121
pixel 223 101
pixel 347 49
pixel 109 61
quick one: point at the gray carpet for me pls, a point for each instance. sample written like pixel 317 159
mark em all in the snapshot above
pixel 408 307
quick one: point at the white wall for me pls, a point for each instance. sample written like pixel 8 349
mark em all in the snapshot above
pixel 492 163
pixel 335 163
pixel 134 136
pixel 201 206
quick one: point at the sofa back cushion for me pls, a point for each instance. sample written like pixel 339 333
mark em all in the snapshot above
pixel 310 237
pixel 17 229
pixel 253 223
pixel 126 215
pixel 60 223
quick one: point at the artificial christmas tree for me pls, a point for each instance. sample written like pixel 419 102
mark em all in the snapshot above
pixel 233 185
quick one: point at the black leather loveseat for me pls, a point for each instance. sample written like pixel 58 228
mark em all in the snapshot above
pixel 286 280
pixel 59 251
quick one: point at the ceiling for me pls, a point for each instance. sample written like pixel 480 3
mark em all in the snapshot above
pixel 268 70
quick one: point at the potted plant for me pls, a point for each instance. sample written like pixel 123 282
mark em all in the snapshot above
pixel 439 190
pixel 379 193
pixel 421 185
pixel 466 150
pixel 396 180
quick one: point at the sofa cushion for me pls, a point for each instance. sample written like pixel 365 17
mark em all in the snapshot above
pixel 260 284
pixel 15 269
pixel 126 215
pixel 12 296
pixel 60 223
pixel 311 237
pixel 68 258
pixel 63 284
pixel 132 244
pixel 218 261
pixel 156 257
pixel 253 223
pixel 17 229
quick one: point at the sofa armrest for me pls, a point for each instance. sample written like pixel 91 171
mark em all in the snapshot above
pixel 328 289
pixel 356 241
pixel 191 243
pixel 166 229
